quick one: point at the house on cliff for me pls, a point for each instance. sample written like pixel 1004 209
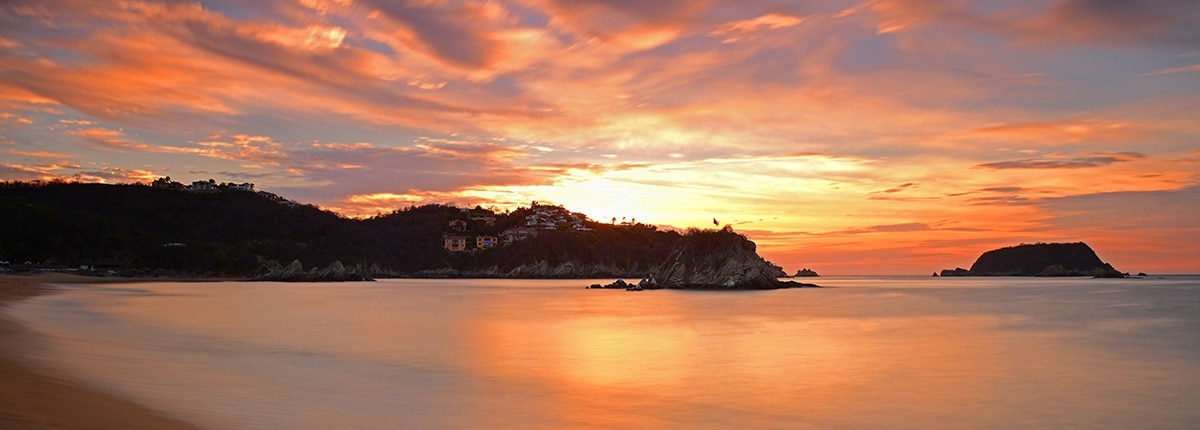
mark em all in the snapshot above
pixel 454 243
pixel 209 186
pixel 486 242
pixel 519 233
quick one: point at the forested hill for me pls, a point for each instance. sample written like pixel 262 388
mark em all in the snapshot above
pixel 226 231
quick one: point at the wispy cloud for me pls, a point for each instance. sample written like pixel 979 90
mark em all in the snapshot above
pixel 1065 163
pixel 748 29
pixel 898 188
pixel 887 228
pixel 1173 70
pixel 1062 23
pixel 39 154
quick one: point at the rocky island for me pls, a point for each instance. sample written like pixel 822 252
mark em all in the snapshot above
pixel 806 273
pixel 1040 259
pixel 713 260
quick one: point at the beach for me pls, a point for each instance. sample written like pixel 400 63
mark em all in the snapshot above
pixel 33 397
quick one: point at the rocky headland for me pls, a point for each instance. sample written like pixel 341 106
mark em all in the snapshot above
pixel 713 260
pixel 1040 259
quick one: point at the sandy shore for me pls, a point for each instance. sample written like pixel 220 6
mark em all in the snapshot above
pixel 34 398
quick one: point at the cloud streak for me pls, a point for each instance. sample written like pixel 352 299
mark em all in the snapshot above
pixel 1173 70
pixel 1065 163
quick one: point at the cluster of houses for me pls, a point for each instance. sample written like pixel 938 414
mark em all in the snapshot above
pixel 459 243
pixel 542 218
pixel 457 240
pixel 209 186
pixel 277 199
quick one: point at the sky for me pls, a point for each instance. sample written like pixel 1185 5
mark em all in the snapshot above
pixel 849 137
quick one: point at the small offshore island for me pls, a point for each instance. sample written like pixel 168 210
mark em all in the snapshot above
pixel 1039 259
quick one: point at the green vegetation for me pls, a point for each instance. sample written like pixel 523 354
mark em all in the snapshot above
pixel 232 232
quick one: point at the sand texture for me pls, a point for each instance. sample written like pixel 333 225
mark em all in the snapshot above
pixel 33 397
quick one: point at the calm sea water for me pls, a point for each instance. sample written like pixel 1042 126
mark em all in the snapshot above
pixel 868 352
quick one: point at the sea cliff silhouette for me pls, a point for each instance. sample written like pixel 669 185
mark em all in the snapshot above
pixel 1039 259
pixel 713 260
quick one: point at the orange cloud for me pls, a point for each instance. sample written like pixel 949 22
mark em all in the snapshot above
pixel 457 34
pixel 1063 22
pixel 17 172
pixel 109 139
pixel 1062 132
pixel 630 25
pixel 39 154
pixel 736 31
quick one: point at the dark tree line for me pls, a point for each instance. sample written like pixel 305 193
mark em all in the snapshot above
pixel 232 232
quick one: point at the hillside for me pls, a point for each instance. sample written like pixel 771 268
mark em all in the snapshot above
pixel 233 232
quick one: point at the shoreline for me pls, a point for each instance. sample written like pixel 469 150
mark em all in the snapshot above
pixel 35 397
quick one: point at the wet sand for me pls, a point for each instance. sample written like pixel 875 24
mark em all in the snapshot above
pixel 33 397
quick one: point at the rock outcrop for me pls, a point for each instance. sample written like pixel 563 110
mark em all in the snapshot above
pixel 720 260
pixel 806 273
pixel 619 284
pixel 1041 259
pixel 958 271
pixel 271 270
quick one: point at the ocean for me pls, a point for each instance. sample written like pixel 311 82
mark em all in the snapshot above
pixel 862 353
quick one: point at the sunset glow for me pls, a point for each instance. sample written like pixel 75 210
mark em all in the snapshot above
pixel 850 137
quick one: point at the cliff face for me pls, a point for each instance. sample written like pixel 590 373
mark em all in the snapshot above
pixel 716 260
pixel 1042 259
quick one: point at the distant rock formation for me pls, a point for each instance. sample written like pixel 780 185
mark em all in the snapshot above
pixel 806 273
pixel 619 284
pixel 271 270
pixel 956 272
pixel 1041 259
pixel 716 259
